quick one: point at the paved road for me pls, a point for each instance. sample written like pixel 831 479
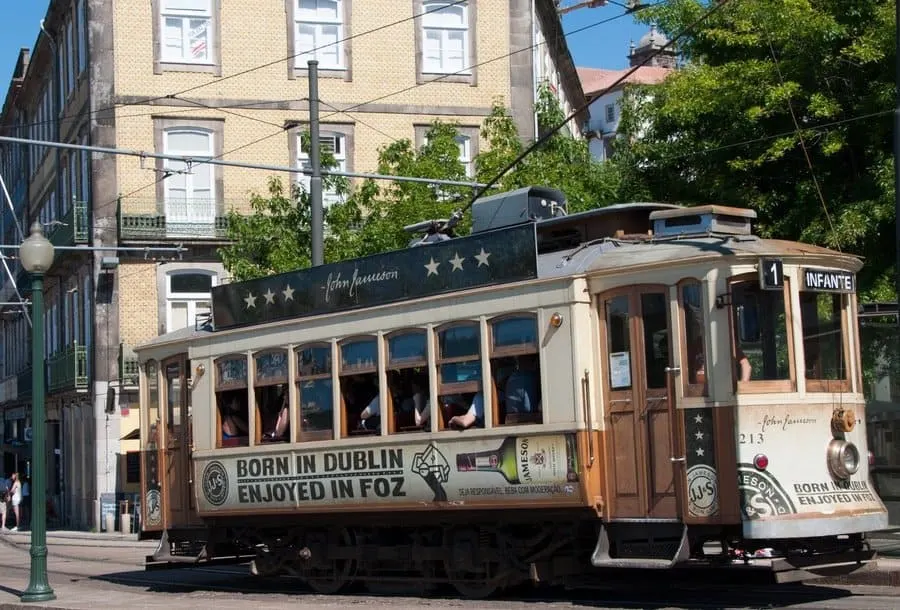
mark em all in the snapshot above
pixel 94 576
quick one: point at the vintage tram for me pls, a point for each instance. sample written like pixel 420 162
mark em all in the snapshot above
pixel 637 386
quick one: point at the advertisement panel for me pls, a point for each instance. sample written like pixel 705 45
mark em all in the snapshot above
pixel 453 471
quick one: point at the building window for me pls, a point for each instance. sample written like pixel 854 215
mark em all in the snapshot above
pixel 334 144
pixel 445 36
pixel 70 58
pixel 187 31
pixel 189 193
pixel 465 154
pixel 318 33
pixel 81 16
pixel 610 113
pixel 188 295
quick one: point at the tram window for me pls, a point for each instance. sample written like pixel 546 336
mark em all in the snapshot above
pixel 459 376
pixel 515 370
pixel 408 387
pixel 824 350
pixel 694 344
pixel 655 316
pixel 173 395
pixel 361 408
pixel 761 341
pixel 231 401
pixel 314 389
pixel 151 372
pixel 617 332
pixel 270 393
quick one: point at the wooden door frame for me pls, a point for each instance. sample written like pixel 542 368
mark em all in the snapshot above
pixel 168 517
pixel 639 372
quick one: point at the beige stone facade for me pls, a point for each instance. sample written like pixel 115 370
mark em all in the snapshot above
pixel 194 78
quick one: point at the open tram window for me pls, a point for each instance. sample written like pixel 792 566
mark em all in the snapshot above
pixel 459 376
pixel 231 401
pixel 762 342
pixel 151 374
pixel 360 412
pixel 515 370
pixel 825 341
pixel 408 388
pixel 315 392
pixel 270 393
pixel 173 395
pixel 694 344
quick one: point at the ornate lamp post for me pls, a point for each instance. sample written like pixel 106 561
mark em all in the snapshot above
pixel 36 254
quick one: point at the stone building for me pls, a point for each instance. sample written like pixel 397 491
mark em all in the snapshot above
pixel 197 78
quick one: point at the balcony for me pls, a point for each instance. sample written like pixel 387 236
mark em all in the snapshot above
pixel 184 220
pixel 23 384
pixel 73 227
pixel 68 370
pixel 128 367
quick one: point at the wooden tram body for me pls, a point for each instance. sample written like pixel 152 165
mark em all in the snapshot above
pixel 644 446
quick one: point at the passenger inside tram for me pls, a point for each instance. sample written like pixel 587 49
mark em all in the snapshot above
pixel 360 394
pixel 233 410
pixel 474 415
pixel 518 388
pixel 282 422
pixel 409 393
pixel 272 403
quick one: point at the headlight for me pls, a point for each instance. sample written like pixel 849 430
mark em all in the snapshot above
pixel 843 459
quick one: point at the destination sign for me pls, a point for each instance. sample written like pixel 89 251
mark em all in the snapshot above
pixel 491 257
pixel 828 280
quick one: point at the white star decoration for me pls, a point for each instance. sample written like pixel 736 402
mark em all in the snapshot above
pixel 250 300
pixel 288 293
pixel 270 297
pixel 699 435
pixel 700 451
pixel 432 267
pixel 698 418
pixel 456 261
pixel 482 258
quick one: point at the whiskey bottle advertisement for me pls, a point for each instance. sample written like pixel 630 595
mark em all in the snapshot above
pixel 526 459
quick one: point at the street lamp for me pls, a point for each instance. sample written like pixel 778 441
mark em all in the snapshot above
pixel 36 255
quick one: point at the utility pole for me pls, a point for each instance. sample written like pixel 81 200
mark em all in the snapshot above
pixel 315 181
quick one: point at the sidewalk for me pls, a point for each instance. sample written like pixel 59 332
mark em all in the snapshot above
pixel 78 538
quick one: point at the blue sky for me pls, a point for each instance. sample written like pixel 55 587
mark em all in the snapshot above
pixel 604 46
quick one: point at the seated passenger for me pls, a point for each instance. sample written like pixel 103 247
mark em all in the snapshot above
pixel 745 370
pixel 233 424
pixel 281 424
pixel 474 416
pixel 371 412
pixel 521 389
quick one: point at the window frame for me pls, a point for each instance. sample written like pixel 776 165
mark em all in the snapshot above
pixel 388 408
pixel 191 298
pixel 469 75
pixel 268 383
pixel 457 387
pixel 213 65
pixel 345 44
pixel 219 386
pixel 341 133
pixel 762 386
pixel 692 390
pixel 350 371
pixel 511 352
pixel 299 378
pixel 209 151
pixel 830 385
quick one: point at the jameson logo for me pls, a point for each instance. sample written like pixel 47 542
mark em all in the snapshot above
pixel 762 495
pixel 783 422
pixel 350 286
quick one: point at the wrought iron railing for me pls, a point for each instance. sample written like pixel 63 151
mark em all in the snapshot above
pixel 128 367
pixel 186 219
pixel 72 228
pixel 68 369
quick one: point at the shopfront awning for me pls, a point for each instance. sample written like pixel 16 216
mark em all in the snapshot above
pixel 134 435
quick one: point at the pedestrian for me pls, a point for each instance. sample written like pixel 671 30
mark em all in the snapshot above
pixel 4 501
pixel 15 492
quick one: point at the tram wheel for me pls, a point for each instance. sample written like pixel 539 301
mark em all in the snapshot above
pixel 333 576
pixel 476 579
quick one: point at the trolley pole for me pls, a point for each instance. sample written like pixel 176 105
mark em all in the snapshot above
pixel 315 182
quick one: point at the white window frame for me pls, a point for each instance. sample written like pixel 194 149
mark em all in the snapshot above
pixel 465 154
pixel 191 298
pixel 185 15
pixel 197 153
pixel 317 21
pixel 610 113
pixel 81 16
pixel 329 196
pixel 434 22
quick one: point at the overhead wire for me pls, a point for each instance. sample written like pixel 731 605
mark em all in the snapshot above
pixel 457 216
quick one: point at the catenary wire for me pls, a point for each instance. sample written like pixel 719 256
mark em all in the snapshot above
pixel 457 216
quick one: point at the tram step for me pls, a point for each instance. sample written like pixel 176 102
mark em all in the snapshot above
pixel 641 546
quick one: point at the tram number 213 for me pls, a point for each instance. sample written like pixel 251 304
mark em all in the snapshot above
pixel 751 438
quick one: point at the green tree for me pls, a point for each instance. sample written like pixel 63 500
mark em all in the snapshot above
pixel 722 129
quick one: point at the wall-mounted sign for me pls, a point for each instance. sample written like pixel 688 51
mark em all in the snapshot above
pixel 771 274
pixel 828 280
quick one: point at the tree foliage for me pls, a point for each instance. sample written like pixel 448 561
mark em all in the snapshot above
pixel 722 129
pixel 275 237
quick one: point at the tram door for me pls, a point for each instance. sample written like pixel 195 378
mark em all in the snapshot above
pixel 176 421
pixel 636 346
